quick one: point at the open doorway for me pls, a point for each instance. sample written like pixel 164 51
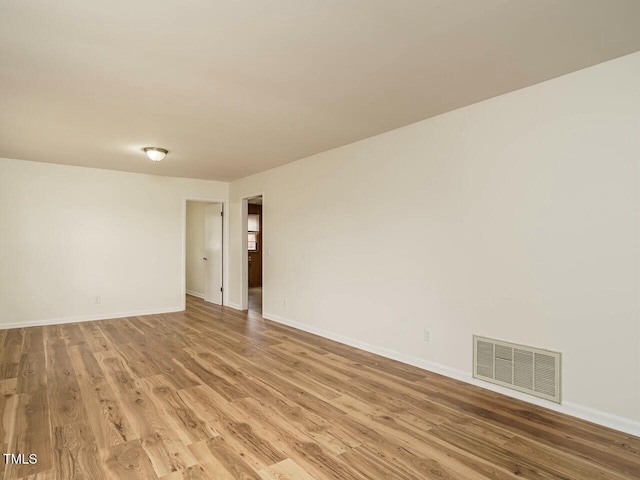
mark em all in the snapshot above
pixel 254 253
pixel 204 230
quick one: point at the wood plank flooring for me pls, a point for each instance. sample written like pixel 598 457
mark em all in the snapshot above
pixel 212 393
pixel 255 300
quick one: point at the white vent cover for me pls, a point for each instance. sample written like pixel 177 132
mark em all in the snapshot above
pixel 526 369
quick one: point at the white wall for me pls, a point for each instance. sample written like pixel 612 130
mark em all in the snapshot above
pixel 70 234
pixel 516 218
pixel 195 248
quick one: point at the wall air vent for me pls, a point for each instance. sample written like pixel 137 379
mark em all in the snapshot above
pixel 526 369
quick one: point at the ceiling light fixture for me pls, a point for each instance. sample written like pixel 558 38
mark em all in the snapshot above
pixel 155 154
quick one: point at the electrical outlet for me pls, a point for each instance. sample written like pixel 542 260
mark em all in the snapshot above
pixel 98 300
pixel 427 335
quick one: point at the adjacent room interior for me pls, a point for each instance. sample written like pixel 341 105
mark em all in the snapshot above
pixel 320 240
pixel 254 253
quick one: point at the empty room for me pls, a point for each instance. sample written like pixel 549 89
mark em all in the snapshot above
pixel 320 240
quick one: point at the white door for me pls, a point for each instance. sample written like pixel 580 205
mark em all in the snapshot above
pixel 213 253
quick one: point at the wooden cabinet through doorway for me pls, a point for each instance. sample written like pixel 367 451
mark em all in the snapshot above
pixel 255 257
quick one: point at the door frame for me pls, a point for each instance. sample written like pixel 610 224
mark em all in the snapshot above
pixel 244 271
pixel 225 255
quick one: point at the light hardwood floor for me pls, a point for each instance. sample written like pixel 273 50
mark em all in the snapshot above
pixel 255 300
pixel 215 393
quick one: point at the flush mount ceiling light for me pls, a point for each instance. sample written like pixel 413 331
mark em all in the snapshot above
pixel 155 154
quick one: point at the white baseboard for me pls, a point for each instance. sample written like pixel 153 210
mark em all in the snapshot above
pixel 88 318
pixel 195 294
pixel 235 306
pixel 569 408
